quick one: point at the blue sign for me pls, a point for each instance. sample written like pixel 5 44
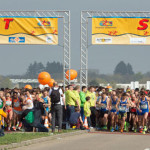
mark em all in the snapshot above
pixel 16 39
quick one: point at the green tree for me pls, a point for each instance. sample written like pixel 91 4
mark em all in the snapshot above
pixel 34 69
pixel 93 83
pixel 129 69
pixel 121 68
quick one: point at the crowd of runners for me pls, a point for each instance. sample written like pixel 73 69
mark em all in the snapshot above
pixel 122 110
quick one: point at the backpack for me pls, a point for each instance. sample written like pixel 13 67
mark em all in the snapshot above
pixel 55 96
pixel 29 117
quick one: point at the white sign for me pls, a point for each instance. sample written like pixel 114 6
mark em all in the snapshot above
pixel 137 40
pixel 103 40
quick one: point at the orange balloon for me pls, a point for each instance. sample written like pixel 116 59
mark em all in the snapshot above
pixel 28 87
pixel 73 74
pixel 51 83
pixel 44 78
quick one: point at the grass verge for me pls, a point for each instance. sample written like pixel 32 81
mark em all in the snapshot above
pixel 19 137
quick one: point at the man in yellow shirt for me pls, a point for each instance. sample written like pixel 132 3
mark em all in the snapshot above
pixel 71 100
pixel 92 95
pixel 76 92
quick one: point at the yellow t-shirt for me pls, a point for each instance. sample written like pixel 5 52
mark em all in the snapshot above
pixel 87 111
pixel 76 93
pixel 70 98
pixel 93 98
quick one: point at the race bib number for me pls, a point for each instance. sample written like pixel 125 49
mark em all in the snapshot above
pixel 16 104
pixel 144 106
pixel 113 107
pixel 121 108
pixel 104 106
pixel 8 103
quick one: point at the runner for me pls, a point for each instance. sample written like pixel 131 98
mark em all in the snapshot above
pixel 47 104
pixel 133 112
pixel 121 106
pixel 17 111
pixel 114 113
pixel 9 111
pixel 28 100
pixel 144 109
pixel 105 106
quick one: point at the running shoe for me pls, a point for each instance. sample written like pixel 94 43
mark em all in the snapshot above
pixel 143 132
pixel 99 128
pixel 112 129
pixel 140 130
pixel 135 130
pixel 105 127
pixel 121 130
pixel 20 125
pixel 17 125
pixel 8 129
pixel 117 128
pixel 14 128
pixel 145 128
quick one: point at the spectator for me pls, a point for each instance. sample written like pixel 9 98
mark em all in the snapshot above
pixel 92 95
pixel 71 100
pixel 56 107
pixel 76 92
pixel 75 119
pixel 83 100
pixel 87 110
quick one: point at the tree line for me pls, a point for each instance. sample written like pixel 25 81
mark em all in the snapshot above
pixel 54 68
pixel 123 73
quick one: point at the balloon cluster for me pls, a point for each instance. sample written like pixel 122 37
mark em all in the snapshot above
pixel 45 78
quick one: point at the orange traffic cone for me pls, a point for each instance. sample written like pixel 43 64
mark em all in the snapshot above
pixel 85 125
pixel 46 122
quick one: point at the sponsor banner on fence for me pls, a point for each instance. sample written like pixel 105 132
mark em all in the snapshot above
pixel 121 30
pixel 28 30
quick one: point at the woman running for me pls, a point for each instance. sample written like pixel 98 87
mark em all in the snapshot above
pixel 17 111
pixel 9 111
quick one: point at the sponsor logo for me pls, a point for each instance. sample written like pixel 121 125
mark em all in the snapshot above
pixel 137 40
pixel 106 23
pixel 103 40
pixel 44 23
pixel 16 39
pixel 49 39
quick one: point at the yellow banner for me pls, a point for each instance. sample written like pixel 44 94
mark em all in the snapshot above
pixel 118 30
pixel 28 30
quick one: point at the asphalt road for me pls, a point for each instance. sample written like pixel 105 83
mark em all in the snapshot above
pixel 95 141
